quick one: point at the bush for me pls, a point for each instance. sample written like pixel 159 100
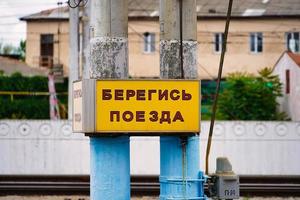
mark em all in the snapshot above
pixel 247 97
pixel 208 89
pixel 28 107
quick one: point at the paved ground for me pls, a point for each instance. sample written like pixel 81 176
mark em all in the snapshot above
pixel 134 198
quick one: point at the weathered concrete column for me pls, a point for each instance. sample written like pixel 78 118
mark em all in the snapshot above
pixel 109 42
pixel 73 54
pixel 110 159
pixel 170 64
pixel 180 176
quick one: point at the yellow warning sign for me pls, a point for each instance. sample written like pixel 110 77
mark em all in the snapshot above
pixel 147 106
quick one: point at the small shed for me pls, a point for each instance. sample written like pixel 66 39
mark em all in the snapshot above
pixel 288 69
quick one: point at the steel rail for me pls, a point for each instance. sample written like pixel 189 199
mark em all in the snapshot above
pixel 287 186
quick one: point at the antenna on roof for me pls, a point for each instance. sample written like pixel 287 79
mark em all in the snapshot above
pixel 76 3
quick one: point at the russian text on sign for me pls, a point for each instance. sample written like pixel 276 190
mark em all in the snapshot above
pixel 143 95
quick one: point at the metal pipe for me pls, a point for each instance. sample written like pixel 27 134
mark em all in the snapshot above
pixel 215 104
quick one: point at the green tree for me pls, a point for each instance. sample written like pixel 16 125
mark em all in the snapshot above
pixel 21 50
pixel 248 97
pixel 8 49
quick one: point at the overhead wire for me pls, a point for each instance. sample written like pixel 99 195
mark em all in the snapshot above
pixel 199 42
pixel 141 36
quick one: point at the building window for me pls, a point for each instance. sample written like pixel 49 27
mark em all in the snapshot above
pixel 293 42
pixel 256 42
pixel 46 50
pixel 149 42
pixel 287 81
pixel 219 38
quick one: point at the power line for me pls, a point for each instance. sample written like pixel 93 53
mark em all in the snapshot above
pixel 267 35
pixel 141 36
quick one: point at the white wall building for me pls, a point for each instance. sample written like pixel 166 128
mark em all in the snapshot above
pixel 288 70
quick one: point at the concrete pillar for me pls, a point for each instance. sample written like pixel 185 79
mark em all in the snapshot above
pixel 180 176
pixel 73 54
pixel 110 159
pixel 86 16
pixel 109 42
pixel 170 64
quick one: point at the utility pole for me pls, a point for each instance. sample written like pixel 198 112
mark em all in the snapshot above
pixel 110 159
pixel 179 156
pixel 73 54
pixel 86 39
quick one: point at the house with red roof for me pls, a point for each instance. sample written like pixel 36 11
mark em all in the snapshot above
pixel 288 69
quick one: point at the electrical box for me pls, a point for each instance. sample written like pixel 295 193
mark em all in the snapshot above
pixel 227 187
pixel 224 184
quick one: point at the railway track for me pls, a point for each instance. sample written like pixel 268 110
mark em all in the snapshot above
pixel 140 185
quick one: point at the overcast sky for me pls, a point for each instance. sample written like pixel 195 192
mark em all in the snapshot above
pixel 12 30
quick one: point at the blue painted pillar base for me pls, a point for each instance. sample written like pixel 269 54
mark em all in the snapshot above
pixel 110 168
pixel 180 177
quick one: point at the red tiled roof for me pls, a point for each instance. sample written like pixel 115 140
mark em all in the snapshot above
pixel 295 57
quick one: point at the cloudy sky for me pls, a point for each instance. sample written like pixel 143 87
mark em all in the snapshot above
pixel 12 30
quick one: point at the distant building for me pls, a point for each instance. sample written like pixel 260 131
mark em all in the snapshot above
pixel 288 70
pixel 259 32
